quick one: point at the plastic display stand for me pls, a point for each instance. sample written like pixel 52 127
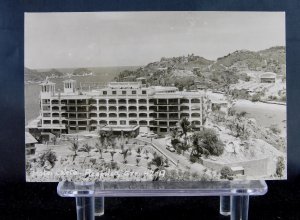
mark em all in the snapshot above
pixel 234 195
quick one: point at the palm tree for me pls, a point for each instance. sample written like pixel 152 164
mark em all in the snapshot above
pixel 146 153
pixel 110 139
pixel 112 153
pixel 137 161
pixel 185 126
pixel 113 143
pixel 174 133
pixel 53 139
pixel 99 148
pixel 157 160
pixel 125 154
pixel 74 147
pixel 102 138
pixel 138 152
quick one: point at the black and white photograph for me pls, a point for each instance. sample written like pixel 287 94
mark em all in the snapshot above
pixel 155 96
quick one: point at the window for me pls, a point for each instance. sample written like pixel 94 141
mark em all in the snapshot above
pixel 122 122
pixel 123 92
pixel 133 92
pixel 104 92
pixel 114 92
pixel 144 92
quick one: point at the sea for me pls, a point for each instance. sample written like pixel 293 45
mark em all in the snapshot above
pixel 101 75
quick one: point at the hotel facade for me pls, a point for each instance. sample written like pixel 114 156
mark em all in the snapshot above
pixel 119 106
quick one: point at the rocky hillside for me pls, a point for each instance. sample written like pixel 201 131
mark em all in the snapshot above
pixel 188 72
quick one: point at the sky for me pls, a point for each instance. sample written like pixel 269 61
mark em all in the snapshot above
pixel 94 39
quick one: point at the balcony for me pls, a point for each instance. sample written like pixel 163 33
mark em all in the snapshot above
pixel 122 101
pixel 173 109
pixel 102 102
pixel 142 108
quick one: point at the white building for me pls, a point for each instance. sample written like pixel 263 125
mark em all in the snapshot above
pixel 120 106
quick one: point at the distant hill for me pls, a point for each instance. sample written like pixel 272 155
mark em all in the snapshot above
pixel 187 71
pixel 31 75
pixel 81 71
pixel 272 59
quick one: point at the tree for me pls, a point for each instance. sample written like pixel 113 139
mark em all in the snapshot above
pixel 184 125
pixel 110 138
pixel 54 139
pixel 74 147
pixel 138 151
pixel 166 162
pixel 174 133
pixel 206 142
pixel 137 161
pixel 102 138
pixel 226 173
pixel 157 160
pixel 125 154
pixel 87 148
pixel 113 143
pixel 112 153
pixel 49 156
pixel 99 148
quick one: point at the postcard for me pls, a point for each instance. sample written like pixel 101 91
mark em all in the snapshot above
pixel 155 96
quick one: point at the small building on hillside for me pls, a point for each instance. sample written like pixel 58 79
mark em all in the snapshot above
pixel 30 142
pixel 267 77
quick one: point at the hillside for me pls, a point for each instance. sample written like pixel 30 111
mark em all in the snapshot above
pixel 191 71
pixel 31 75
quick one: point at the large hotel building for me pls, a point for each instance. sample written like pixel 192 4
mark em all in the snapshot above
pixel 119 106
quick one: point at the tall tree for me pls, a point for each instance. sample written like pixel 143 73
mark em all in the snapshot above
pixel 99 148
pixel 74 147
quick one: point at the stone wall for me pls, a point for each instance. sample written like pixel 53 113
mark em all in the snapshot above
pixel 256 167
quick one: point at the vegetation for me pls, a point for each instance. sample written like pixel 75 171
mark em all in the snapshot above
pixel 54 139
pixel 48 156
pixel 87 148
pixel 275 129
pixel 158 160
pixel 100 150
pixel 138 160
pixel 256 97
pixel 112 153
pixel 206 142
pixel 226 173
pixel 74 147
pixel 125 154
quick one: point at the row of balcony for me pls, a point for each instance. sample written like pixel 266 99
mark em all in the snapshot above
pixel 123 101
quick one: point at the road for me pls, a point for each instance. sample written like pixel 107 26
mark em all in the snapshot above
pixel 180 160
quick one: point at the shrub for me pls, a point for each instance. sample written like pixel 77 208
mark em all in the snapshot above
pixel 255 97
pixel 49 156
pixel 275 129
pixel 157 160
pixel 174 142
pixel 226 173
pixel 193 159
pixel 206 142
